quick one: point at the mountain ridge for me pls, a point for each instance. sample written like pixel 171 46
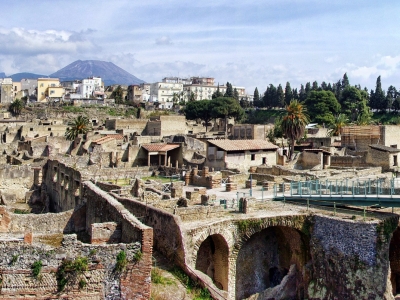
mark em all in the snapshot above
pixel 108 71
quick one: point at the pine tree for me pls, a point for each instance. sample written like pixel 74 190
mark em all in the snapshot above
pixel 302 94
pixel 280 97
pixel 217 93
pixel 235 94
pixel 256 98
pixel 379 95
pixel 288 93
pixel 315 86
pixel 229 90
pixel 345 82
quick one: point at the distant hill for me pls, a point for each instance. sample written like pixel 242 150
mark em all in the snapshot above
pixel 2 75
pixel 110 73
pixel 20 76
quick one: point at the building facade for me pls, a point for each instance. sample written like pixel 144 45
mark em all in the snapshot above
pixel 7 94
pixel 49 88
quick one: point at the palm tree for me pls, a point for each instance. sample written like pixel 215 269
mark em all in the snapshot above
pixel 340 121
pixel 294 123
pixel 79 125
pixel 16 107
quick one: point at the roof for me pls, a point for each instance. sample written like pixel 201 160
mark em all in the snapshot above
pixel 385 148
pixel 160 147
pixel 241 145
pixel 318 150
pixel 103 140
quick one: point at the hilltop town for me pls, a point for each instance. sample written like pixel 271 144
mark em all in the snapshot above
pixel 97 181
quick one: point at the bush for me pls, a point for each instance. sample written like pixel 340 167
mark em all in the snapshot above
pixel 36 268
pixel 122 262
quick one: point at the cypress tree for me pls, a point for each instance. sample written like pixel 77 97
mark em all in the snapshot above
pixel 288 93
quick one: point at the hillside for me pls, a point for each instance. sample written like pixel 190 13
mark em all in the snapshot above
pixel 109 72
pixel 25 75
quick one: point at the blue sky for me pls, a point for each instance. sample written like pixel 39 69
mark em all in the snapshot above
pixel 248 43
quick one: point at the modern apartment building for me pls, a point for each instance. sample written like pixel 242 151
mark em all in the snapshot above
pixel 163 93
pixel 49 88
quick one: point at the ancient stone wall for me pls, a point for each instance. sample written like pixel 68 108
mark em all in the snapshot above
pixel 347 161
pixel 15 182
pixel 166 228
pixel 99 281
pixel 349 260
pixel 309 160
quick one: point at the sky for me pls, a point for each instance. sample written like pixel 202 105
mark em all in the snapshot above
pixel 250 43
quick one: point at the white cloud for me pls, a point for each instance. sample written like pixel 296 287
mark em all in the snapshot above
pixel 164 40
pixel 19 41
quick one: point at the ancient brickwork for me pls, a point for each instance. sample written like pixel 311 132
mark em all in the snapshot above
pixel 100 279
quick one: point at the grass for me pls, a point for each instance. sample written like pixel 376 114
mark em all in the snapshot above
pixel 122 262
pixel 157 278
pixel 14 259
pixel 192 287
pixel 73 109
pixel 21 211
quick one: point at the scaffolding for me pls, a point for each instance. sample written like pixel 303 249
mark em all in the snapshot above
pixel 360 137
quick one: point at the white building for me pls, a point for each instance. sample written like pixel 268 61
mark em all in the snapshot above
pixel 90 88
pixel 163 93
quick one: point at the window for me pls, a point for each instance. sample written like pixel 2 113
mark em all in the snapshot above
pixel 253 157
pixel 52 92
pixel 41 85
pixel 264 160
pixel 53 85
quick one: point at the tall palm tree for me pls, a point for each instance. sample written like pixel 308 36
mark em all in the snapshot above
pixel 340 121
pixel 16 107
pixel 294 123
pixel 79 125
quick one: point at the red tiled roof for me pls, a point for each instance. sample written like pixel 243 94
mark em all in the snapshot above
pixel 116 136
pixel 241 145
pixel 160 147
pixel 103 140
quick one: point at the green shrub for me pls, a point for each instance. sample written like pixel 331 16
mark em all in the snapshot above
pixel 70 268
pixel 138 255
pixel 82 283
pixel 157 278
pixel 14 259
pixel 36 268
pixel 122 262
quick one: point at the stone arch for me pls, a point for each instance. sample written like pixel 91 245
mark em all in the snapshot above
pixel 269 257
pixel 394 258
pixel 212 260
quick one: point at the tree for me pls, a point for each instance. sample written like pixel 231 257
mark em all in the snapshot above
pixel 229 90
pixel 322 106
pixel 315 86
pixel 378 98
pixel 355 104
pixel 345 81
pixel 280 97
pixel 288 94
pixel 302 94
pixel 226 108
pixel 391 96
pixel 235 94
pixel 396 104
pixel 79 125
pixel 256 97
pixel 118 95
pixel 217 93
pixel 340 121
pixel 294 123
pixel 16 107
pixel 270 96
pixel 192 97
pixel 199 110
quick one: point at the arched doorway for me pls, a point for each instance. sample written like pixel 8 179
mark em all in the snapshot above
pixel 267 257
pixel 212 260
pixel 394 257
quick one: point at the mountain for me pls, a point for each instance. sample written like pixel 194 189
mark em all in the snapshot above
pixel 2 75
pixel 19 76
pixel 110 73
